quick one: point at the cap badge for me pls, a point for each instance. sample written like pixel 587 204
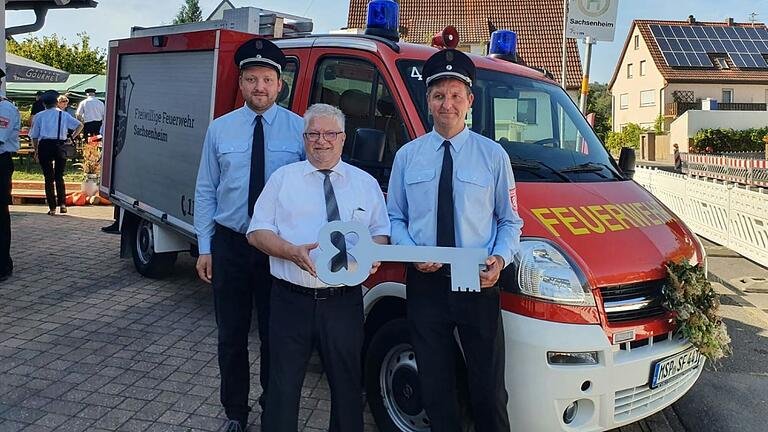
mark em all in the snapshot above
pixel 258 44
pixel 449 56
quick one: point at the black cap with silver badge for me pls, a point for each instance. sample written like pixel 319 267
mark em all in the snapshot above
pixel 260 52
pixel 449 63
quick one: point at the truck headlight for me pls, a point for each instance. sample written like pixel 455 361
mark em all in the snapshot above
pixel 543 271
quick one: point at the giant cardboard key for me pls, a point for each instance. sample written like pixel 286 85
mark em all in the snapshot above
pixel 465 262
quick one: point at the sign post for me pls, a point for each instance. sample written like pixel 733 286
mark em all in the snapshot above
pixel 592 20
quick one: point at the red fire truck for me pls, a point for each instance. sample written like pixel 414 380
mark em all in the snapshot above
pixel 589 346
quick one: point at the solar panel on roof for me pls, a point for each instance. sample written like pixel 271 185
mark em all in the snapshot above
pixel 691 46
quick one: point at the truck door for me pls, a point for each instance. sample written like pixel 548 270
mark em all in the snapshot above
pixel 355 84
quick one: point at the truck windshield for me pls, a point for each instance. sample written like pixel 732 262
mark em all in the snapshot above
pixel 542 130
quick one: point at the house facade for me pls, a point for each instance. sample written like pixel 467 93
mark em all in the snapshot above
pixel 669 67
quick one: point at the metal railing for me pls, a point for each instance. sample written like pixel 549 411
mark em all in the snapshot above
pixel 741 106
pixel 753 172
pixel 728 215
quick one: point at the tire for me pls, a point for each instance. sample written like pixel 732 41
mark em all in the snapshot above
pixel 148 262
pixel 391 380
pixel 392 385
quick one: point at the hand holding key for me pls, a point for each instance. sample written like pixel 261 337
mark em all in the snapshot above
pixel 465 262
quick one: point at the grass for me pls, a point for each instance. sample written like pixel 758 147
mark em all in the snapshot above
pixel 29 170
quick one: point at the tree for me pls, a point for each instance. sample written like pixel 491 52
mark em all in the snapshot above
pixel 599 102
pixel 189 13
pixel 79 57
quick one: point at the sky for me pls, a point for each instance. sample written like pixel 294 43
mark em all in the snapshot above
pixel 113 19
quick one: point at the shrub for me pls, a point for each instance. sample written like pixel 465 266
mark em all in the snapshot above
pixel 629 137
pixel 729 140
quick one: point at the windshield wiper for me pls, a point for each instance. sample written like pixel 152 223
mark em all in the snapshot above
pixel 532 164
pixel 593 167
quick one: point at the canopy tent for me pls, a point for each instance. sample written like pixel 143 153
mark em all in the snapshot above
pixel 20 69
pixel 75 85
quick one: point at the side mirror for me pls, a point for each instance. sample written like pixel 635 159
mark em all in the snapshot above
pixel 627 162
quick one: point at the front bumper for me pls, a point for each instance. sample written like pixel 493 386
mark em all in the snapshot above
pixel 610 394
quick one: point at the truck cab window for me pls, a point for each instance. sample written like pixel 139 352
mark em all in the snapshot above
pixel 285 97
pixel 360 92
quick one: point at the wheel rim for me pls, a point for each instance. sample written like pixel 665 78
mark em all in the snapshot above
pixel 145 242
pixel 401 390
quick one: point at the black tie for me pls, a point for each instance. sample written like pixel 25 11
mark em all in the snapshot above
pixel 332 213
pixel 257 165
pixel 446 235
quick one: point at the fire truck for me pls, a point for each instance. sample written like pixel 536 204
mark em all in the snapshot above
pixel 589 346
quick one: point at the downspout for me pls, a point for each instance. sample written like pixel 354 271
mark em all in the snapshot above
pixel 40 12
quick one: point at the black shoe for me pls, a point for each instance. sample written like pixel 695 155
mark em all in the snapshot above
pixel 5 276
pixel 233 426
pixel 112 229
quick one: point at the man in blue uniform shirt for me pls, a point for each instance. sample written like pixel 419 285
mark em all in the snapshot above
pixel 241 150
pixel 452 188
pixel 10 121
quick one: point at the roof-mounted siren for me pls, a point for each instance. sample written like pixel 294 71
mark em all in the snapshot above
pixel 504 45
pixel 447 38
pixel 383 17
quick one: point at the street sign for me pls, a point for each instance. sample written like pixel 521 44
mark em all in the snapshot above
pixel 593 18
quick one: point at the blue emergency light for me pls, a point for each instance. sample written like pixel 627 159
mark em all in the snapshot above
pixel 504 45
pixel 383 17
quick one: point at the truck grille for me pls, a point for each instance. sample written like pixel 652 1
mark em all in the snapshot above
pixel 633 301
pixel 636 402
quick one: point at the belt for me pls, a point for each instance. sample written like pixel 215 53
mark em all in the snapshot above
pixel 319 293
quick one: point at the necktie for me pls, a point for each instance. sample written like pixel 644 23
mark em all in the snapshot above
pixel 446 235
pixel 257 165
pixel 332 212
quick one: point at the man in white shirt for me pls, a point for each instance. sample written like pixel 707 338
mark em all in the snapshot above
pixel 10 121
pixel 91 112
pixel 297 201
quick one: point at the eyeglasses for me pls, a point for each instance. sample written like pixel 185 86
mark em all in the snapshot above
pixel 328 136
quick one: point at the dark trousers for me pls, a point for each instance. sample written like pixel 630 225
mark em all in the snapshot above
pixel 298 324
pixel 6 172
pixel 52 161
pixel 91 128
pixel 434 311
pixel 240 279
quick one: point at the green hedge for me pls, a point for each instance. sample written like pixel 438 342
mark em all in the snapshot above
pixel 729 140
pixel 629 137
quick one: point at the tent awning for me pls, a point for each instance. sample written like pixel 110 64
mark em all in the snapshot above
pixel 75 85
pixel 20 69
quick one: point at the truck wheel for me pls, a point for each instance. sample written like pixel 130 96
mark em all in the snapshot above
pixel 392 380
pixel 148 262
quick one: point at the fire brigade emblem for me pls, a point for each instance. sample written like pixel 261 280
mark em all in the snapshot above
pixel 124 89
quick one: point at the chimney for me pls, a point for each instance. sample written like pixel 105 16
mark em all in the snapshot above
pixel 729 21
pixel 691 19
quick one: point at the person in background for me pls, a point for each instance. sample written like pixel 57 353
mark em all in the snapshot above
pixel 91 112
pixel 678 159
pixel 49 136
pixel 37 107
pixel 10 122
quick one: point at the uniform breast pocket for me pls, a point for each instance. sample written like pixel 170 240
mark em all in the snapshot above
pixel 475 191
pixel 420 190
pixel 233 155
pixel 282 154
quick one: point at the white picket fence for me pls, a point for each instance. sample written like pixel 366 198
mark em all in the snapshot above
pixel 723 213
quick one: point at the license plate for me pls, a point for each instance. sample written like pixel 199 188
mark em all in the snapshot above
pixel 670 367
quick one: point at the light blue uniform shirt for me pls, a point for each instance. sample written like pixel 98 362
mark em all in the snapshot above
pixel 10 122
pixel 482 185
pixel 46 122
pixel 223 179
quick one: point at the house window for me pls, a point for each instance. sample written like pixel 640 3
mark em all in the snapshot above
pixel 624 101
pixel 647 98
pixel 642 68
pixel 630 73
pixel 637 42
pixel 722 63
pixel 727 96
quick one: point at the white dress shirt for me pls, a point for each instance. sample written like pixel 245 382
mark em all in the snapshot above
pixel 292 205
pixel 91 109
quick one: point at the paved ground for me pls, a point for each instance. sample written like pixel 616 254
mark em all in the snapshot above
pixel 88 344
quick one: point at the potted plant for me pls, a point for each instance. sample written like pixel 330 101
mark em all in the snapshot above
pixel 90 166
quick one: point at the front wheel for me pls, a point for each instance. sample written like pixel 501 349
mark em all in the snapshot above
pixel 392 380
pixel 148 262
